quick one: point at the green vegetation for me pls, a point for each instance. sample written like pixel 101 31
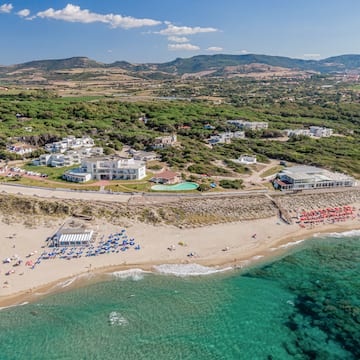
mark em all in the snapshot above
pixel 272 171
pixel 54 173
pixel 231 184
pixel 114 123
pixel 48 184
pixel 132 187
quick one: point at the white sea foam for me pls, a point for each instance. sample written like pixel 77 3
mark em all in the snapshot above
pixel 350 233
pixel 116 319
pixel 11 306
pixel 183 270
pixel 257 257
pixel 293 243
pixel 67 282
pixel 133 274
pixel 70 281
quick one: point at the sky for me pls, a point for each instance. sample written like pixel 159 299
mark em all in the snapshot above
pixel 156 31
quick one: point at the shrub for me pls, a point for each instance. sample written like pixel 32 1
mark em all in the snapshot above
pixel 231 184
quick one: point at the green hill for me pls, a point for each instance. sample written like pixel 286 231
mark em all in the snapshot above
pixel 199 63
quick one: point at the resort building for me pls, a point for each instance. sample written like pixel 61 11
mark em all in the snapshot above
pixel 297 132
pixel 77 175
pixel 225 138
pixel 71 157
pixel 70 142
pixel 251 125
pixel 72 237
pixel 315 131
pixel 166 177
pixel 20 148
pixel 318 131
pixel 310 177
pixel 107 168
pixel 144 155
pixel 246 160
pixel 165 141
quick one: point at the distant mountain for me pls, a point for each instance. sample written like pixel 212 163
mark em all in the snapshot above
pixel 220 62
pixel 347 62
pixel 210 64
pixel 216 62
pixel 61 64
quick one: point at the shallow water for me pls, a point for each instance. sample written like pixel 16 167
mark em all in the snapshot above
pixel 303 306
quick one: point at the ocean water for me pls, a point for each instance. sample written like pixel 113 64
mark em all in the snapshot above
pixel 305 305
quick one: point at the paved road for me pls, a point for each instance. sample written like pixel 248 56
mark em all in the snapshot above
pixel 63 194
pixel 113 197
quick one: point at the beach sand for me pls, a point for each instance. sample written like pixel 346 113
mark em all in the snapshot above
pixel 220 245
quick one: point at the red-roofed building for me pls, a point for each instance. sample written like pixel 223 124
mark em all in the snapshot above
pixel 166 177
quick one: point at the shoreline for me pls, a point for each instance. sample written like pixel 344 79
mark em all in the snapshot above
pixel 274 239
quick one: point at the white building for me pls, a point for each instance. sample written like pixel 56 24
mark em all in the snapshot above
pixel 297 132
pixel 20 148
pixel 225 138
pixel 165 141
pixel 144 155
pixel 72 237
pixel 246 160
pixel 107 168
pixel 70 142
pixel 318 131
pixel 251 125
pixel 310 177
pixel 71 157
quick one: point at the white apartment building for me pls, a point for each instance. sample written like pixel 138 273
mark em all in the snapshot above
pixel 107 168
pixel 144 155
pixel 319 131
pixel 246 160
pixel 71 157
pixel 20 148
pixel 164 141
pixel 297 132
pixel 225 138
pixel 251 125
pixel 69 142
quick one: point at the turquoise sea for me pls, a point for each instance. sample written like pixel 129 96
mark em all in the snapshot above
pixel 304 305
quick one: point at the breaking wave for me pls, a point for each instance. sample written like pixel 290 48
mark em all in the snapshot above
pixel 183 270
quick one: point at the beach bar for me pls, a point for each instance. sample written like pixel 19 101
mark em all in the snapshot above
pixel 72 237
pixel 310 177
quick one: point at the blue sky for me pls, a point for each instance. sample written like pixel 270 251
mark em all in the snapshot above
pixel 161 30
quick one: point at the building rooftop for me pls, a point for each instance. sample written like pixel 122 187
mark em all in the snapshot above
pixel 166 175
pixel 304 172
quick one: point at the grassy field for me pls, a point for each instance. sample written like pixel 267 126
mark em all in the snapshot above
pixel 272 171
pixel 46 184
pixel 123 187
pixel 53 173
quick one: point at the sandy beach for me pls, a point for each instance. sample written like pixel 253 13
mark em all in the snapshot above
pixel 236 244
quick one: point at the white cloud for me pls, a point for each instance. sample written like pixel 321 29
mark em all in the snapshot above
pixel 173 30
pixel 214 48
pixel 6 8
pixel 187 47
pixel 23 13
pixel 178 39
pixel 311 56
pixel 73 13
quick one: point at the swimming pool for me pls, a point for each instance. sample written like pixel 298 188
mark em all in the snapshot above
pixel 185 186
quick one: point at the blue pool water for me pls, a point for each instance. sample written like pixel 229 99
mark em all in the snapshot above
pixel 185 186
